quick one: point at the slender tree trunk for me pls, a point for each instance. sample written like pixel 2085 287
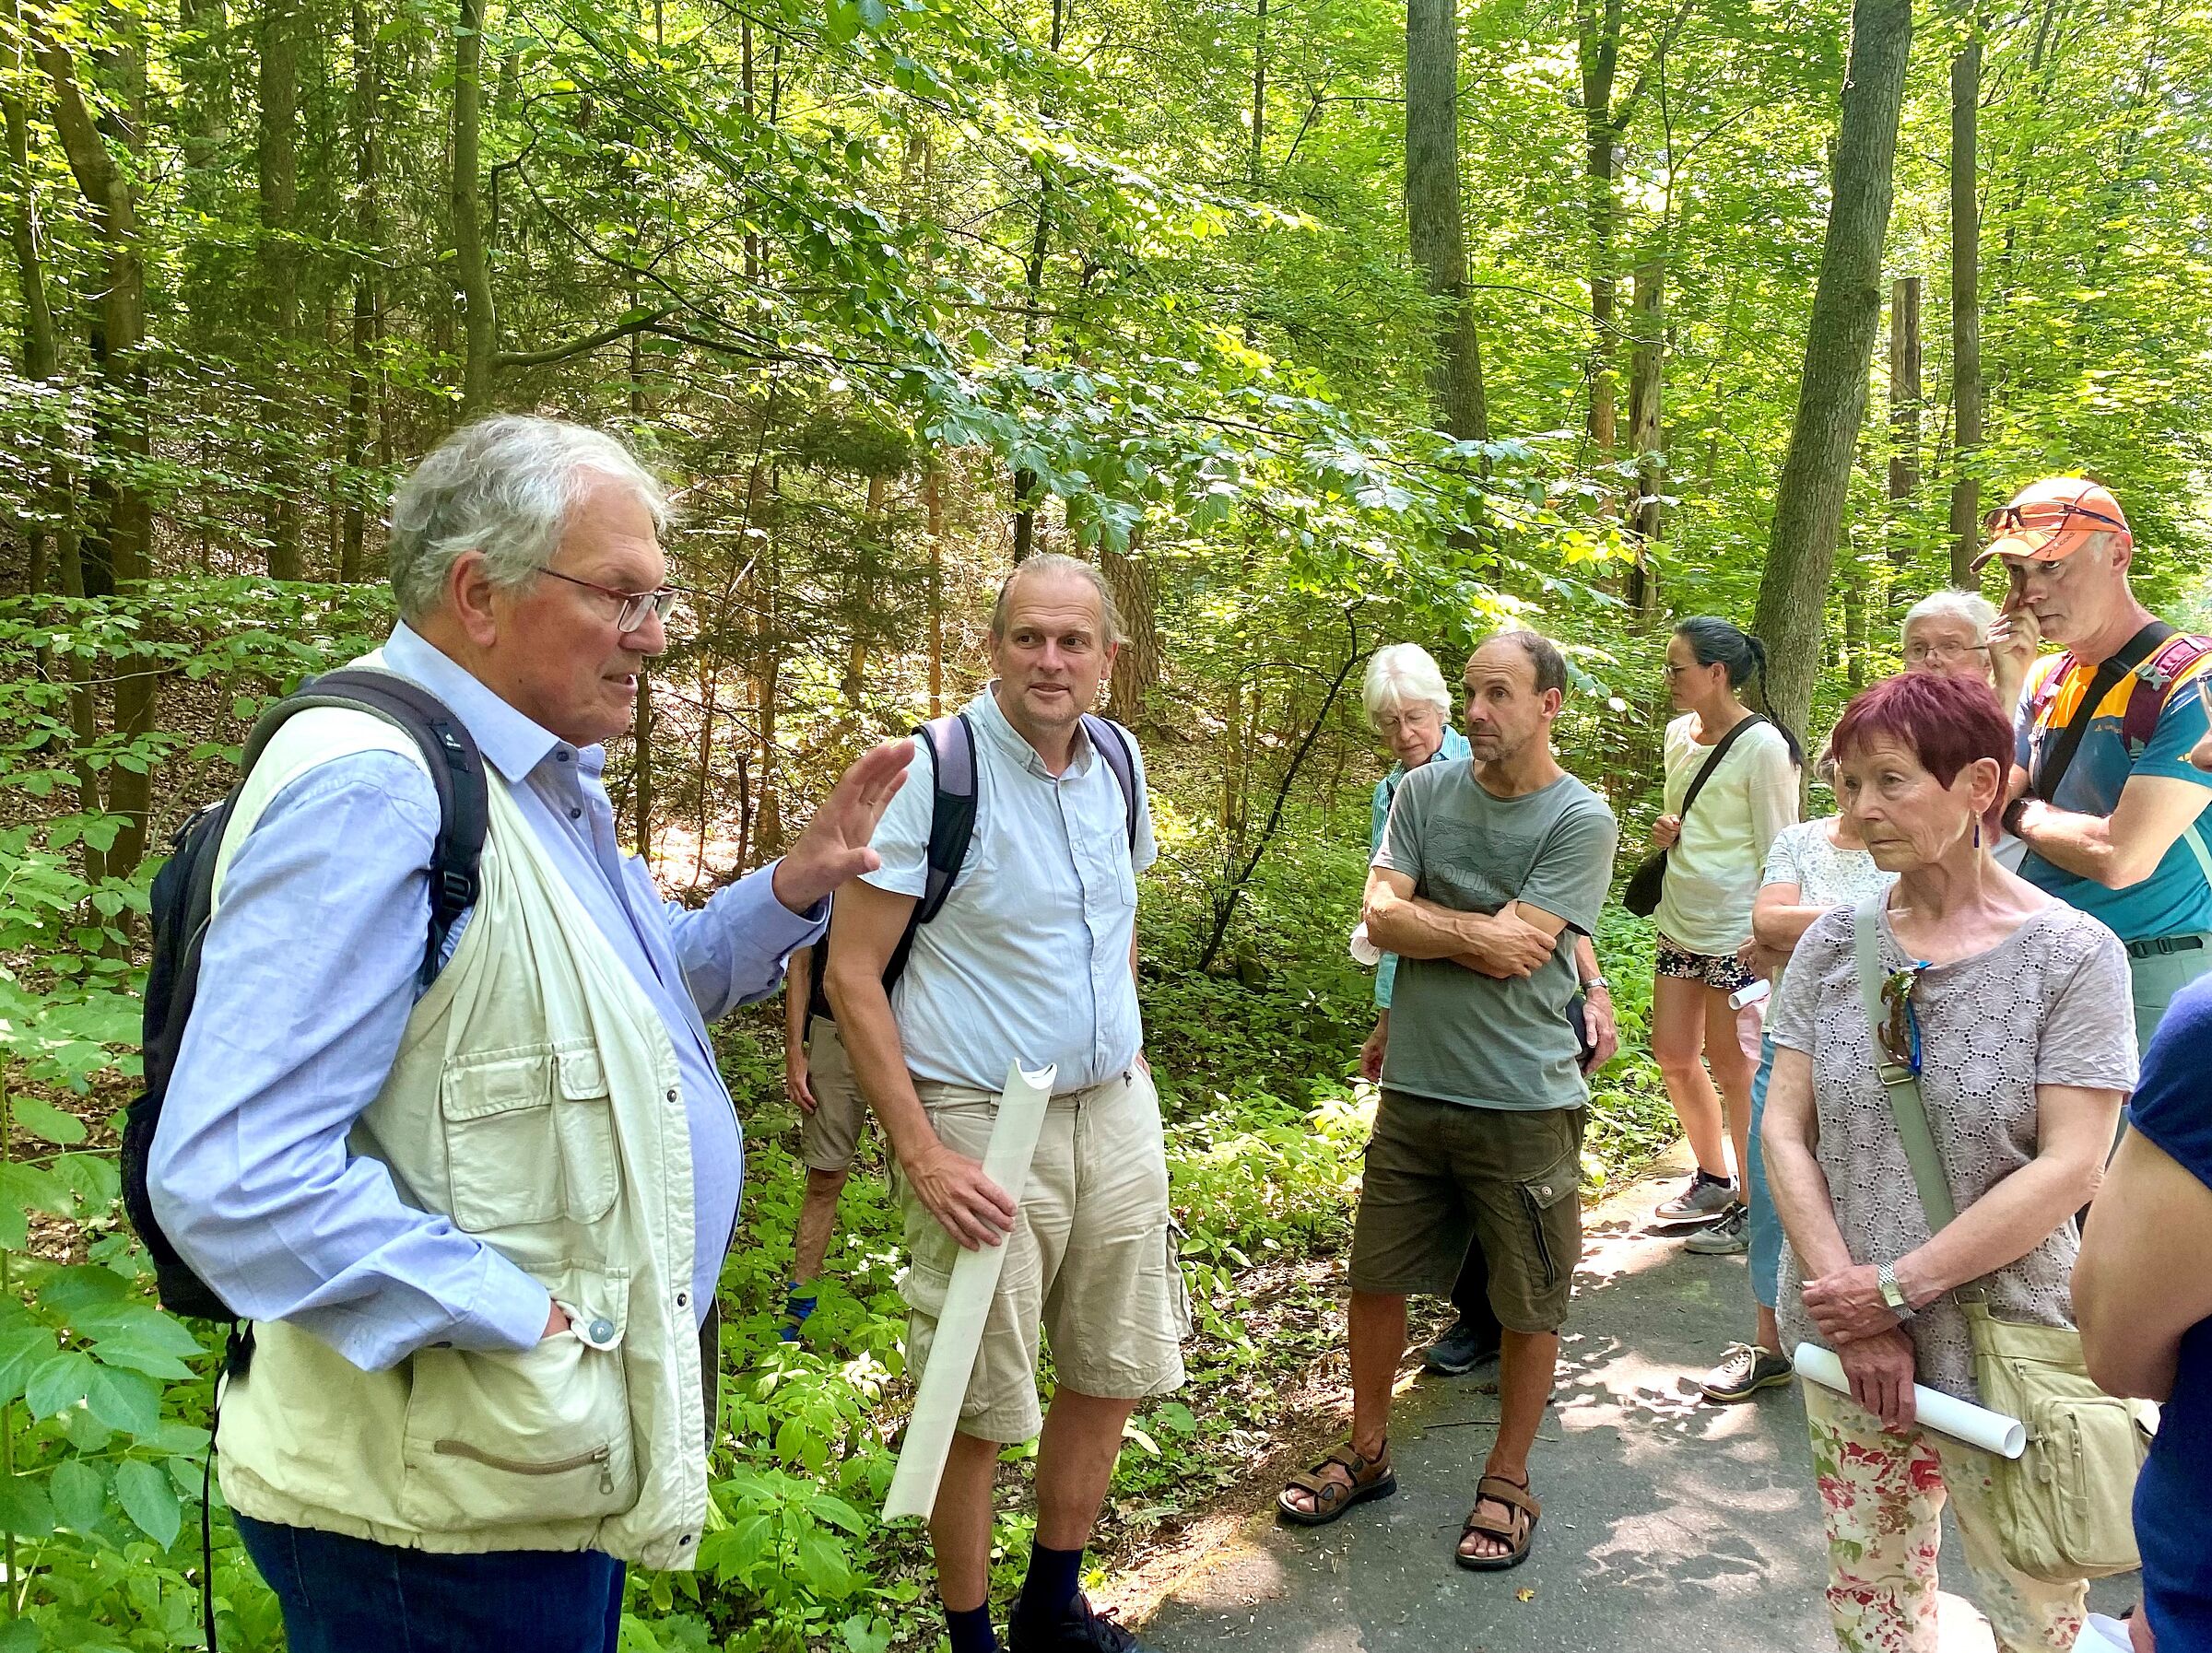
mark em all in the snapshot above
pixel 278 254
pixel 1904 395
pixel 933 508
pixel 1259 95
pixel 1839 347
pixel 1129 575
pixel 471 260
pixel 203 69
pixel 868 559
pixel 1966 315
pixel 1646 378
pixel 362 377
pixel 111 201
pixel 1599 27
pixel 1032 320
pixel 1432 211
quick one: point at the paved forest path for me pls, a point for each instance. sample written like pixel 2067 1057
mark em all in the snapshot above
pixel 1669 1525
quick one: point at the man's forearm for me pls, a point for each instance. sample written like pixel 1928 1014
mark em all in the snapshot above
pixel 870 1033
pixel 1413 928
pixel 2074 843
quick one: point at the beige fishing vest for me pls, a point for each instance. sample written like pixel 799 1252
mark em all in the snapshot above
pixel 534 1102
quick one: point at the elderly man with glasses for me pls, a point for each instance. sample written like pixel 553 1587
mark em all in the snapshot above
pixel 2102 791
pixel 477 1208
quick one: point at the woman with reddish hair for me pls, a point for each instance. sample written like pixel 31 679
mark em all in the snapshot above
pixel 2012 1010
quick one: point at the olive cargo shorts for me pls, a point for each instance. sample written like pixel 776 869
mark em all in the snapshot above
pixel 1439 1173
pixel 1091 1260
pixel 829 1136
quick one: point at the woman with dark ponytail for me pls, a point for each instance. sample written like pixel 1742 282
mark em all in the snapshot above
pixel 1714 861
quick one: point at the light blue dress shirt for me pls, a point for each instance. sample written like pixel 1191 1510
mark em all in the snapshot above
pixel 1455 746
pixel 308 975
pixel 1027 961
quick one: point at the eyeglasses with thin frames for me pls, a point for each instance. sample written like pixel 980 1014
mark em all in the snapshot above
pixel 1921 652
pixel 634 605
pixel 2015 518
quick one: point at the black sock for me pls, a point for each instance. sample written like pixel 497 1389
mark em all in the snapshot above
pixel 1051 1586
pixel 971 1631
pixel 1706 1176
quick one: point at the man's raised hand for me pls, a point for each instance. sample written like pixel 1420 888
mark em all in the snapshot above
pixel 834 847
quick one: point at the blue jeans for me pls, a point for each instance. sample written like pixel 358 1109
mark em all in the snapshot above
pixel 1763 1228
pixel 347 1595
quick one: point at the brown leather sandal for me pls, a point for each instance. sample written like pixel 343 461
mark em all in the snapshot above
pixel 1518 1530
pixel 1371 1478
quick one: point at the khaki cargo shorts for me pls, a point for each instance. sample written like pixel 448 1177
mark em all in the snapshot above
pixel 1091 1260
pixel 1439 1173
pixel 829 1136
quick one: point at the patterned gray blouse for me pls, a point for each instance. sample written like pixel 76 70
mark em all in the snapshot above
pixel 2049 1005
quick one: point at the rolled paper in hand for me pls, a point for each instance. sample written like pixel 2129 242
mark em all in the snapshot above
pixel 1364 951
pixel 968 1295
pixel 1961 1420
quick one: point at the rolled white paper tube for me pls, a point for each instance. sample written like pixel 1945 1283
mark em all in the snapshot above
pixel 1962 1420
pixel 967 1295
pixel 1364 951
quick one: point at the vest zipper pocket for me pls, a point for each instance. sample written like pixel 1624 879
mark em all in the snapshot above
pixel 602 1456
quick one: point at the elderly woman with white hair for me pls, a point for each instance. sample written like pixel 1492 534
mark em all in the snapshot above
pixel 1947 634
pixel 1410 708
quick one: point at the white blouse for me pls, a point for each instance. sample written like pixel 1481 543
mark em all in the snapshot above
pixel 1712 874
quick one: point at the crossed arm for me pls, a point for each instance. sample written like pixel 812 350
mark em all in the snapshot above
pixel 2123 847
pixel 1514 941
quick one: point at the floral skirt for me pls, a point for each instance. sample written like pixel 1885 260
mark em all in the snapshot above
pixel 1881 1500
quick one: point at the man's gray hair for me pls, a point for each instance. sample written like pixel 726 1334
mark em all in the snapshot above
pixel 1056 562
pixel 1950 604
pixel 502 485
pixel 1543 655
pixel 1404 674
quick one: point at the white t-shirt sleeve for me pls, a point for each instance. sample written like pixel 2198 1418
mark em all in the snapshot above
pixel 902 835
pixel 1145 851
pixel 1785 859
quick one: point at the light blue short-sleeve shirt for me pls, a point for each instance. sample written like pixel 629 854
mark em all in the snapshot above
pixel 1027 961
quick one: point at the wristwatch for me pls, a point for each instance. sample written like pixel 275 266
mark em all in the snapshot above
pixel 1596 982
pixel 1893 1293
pixel 2010 819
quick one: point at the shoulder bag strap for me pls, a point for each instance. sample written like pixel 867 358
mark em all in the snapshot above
pixel 1906 1104
pixel 2138 649
pixel 1705 769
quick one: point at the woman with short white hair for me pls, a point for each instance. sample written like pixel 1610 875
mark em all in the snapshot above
pixel 1946 635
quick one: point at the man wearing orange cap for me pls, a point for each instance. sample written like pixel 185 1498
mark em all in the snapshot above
pixel 2103 791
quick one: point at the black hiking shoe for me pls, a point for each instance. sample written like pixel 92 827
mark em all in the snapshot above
pixel 1079 1631
pixel 1462 1349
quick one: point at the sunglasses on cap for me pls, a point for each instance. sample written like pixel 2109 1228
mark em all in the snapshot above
pixel 2013 518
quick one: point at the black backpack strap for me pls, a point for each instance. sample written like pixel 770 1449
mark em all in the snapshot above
pixel 1113 744
pixel 1743 725
pixel 456 771
pixel 2139 648
pixel 951 743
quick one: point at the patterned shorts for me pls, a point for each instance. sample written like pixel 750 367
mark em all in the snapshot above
pixel 1714 969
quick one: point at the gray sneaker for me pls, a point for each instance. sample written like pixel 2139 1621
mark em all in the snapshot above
pixel 1702 1201
pixel 1725 1239
pixel 1743 1371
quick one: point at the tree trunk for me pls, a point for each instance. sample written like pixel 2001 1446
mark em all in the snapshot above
pixel 205 74
pixel 120 333
pixel 933 508
pixel 1600 54
pixel 1129 576
pixel 1033 318
pixel 360 377
pixel 277 256
pixel 868 559
pixel 1646 375
pixel 1259 96
pixel 1432 212
pixel 1966 316
pixel 471 261
pixel 1839 347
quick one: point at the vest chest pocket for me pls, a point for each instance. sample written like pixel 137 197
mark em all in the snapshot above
pixel 529 1136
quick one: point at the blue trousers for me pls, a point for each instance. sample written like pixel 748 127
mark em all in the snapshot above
pixel 346 1595
pixel 1763 1228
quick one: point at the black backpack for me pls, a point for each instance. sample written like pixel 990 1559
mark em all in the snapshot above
pixel 182 894
pixel 951 743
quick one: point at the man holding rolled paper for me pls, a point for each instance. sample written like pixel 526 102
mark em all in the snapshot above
pixel 1025 956
pixel 1973 1063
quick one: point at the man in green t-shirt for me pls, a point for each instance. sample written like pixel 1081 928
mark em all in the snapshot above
pixel 1490 869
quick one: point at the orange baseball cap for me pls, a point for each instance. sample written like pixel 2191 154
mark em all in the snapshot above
pixel 2051 520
